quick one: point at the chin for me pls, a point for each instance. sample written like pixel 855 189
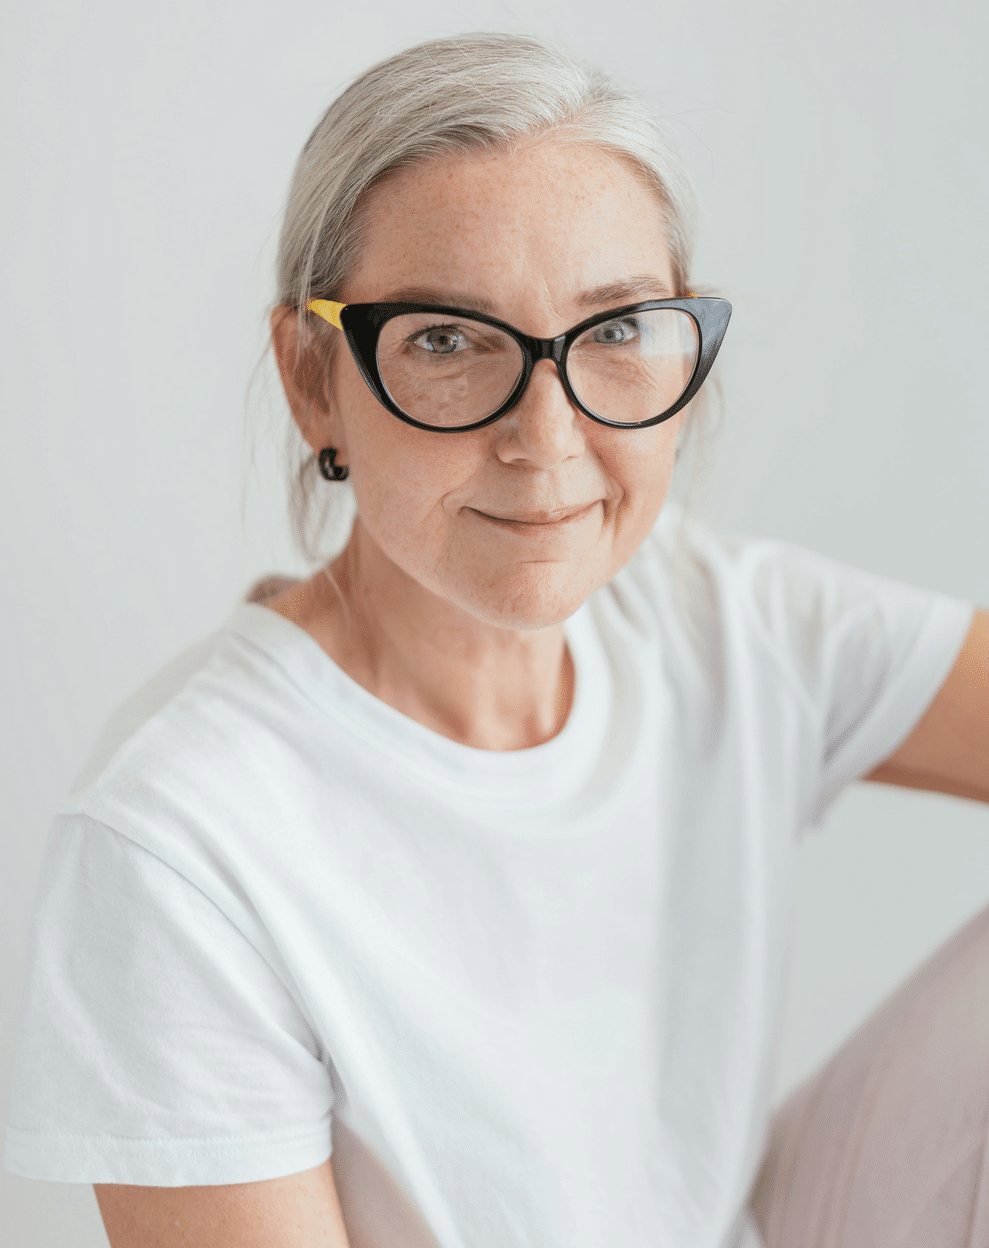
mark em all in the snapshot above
pixel 535 596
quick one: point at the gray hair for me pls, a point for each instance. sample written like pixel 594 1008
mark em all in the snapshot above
pixel 462 94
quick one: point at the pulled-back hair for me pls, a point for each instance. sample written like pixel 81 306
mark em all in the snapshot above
pixel 459 95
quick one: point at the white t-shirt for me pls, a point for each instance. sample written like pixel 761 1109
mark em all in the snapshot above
pixel 532 995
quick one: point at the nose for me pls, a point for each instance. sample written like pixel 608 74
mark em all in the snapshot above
pixel 544 429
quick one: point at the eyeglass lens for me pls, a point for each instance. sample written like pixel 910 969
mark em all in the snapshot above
pixel 449 372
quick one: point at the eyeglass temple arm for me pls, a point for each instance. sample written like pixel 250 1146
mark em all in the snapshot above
pixel 327 309
pixel 330 310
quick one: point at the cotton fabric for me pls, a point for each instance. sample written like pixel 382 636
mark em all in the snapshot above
pixel 531 997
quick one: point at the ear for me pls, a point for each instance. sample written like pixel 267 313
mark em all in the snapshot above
pixel 302 364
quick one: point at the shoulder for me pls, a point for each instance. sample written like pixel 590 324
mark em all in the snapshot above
pixel 768 579
pixel 202 742
pixel 141 710
pixel 713 588
pixel 732 597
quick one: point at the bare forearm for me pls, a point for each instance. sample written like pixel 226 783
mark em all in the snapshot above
pixel 297 1211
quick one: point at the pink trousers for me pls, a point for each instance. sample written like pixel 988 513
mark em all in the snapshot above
pixel 885 1147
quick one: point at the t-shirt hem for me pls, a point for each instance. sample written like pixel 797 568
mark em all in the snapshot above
pixel 161 1162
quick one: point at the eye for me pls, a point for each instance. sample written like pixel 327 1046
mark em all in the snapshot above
pixel 442 340
pixel 617 333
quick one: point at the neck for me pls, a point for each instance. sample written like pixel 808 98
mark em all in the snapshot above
pixel 481 685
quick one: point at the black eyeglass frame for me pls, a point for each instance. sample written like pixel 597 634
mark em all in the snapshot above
pixel 363 322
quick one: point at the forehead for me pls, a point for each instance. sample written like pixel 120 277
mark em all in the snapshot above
pixel 541 224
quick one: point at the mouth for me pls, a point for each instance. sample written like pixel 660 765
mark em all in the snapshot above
pixel 536 520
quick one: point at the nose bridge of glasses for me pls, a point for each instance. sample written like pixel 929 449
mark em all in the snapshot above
pixel 551 349
pixel 544 348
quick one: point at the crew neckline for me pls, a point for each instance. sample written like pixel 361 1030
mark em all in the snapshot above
pixel 557 765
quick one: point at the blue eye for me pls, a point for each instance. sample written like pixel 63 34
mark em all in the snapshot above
pixel 442 340
pixel 617 333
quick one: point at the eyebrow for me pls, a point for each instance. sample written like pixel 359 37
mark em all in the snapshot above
pixel 630 290
pixel 451 298
pixel 643 286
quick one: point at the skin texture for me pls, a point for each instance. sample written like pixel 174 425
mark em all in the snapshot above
pixel 455 618
pixel 298 1211
pixel 449 598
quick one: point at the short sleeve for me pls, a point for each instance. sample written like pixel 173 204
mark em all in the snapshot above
pixel 156 1044
pixel 868 653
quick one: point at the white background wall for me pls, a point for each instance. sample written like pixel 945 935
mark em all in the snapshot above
pixel 842 157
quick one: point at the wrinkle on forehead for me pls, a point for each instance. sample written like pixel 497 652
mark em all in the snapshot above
pixel 539 227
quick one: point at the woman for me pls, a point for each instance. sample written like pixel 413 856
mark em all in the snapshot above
pixel 441 898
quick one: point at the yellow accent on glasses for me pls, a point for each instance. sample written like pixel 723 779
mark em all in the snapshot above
pixel 327 309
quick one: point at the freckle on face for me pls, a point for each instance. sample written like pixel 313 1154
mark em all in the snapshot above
pixel 528 234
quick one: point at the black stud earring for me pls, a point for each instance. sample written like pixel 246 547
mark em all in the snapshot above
pixel 328 466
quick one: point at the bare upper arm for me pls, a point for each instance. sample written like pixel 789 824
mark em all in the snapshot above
pixel 948 751
pixel 297 1211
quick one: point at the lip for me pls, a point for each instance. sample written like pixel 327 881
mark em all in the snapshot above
pixel 539 519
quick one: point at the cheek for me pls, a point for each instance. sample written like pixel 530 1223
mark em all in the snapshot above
pixel 402 476
pixel 641 463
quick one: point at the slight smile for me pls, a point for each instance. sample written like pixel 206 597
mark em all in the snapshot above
pixel 539 519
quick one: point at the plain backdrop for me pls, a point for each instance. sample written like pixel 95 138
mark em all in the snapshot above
pixel 841 155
